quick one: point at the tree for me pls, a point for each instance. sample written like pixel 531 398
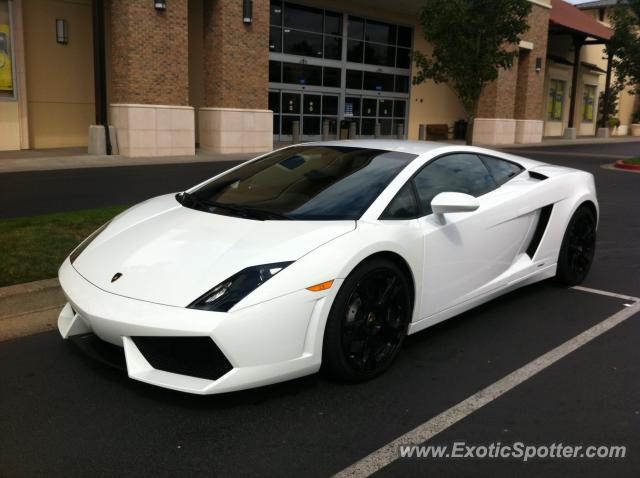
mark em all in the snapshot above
pixel 609 109
pixel 472 40
pixel 624 45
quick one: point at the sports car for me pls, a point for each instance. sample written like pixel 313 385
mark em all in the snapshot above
pixel 321 256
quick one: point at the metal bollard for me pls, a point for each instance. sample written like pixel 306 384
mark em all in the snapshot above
pixel 295 132
pixel 376 131
pixel 422 132
pixel 400 130
pixel 325 130
pixel 352 130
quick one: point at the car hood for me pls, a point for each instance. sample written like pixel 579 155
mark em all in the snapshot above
pixel 170 254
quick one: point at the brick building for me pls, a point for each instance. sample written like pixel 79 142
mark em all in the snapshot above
pixel 213 73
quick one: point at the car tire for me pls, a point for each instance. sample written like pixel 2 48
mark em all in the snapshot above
pixel 578 248
pixel 368 321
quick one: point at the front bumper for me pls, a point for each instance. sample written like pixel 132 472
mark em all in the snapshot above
pixel 273 341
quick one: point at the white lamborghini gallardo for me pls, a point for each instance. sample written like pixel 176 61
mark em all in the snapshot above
pixel 321 255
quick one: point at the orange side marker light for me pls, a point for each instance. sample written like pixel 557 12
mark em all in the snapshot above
pixel 322 286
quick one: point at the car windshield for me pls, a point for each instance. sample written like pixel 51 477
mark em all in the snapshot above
pixel 302 183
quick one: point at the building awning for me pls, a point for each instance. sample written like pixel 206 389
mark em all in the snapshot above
pixel 566 17
pixel 596 4
pixel 559 59
pixel 593 67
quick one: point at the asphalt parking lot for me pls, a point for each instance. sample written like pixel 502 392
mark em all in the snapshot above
pixel 64 413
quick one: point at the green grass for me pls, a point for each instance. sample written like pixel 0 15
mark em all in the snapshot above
pixel 635 160
pixel 32 248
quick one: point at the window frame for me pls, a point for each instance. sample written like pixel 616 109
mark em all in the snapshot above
pixel 12 55
pixel 588 87
pixel 522 168
pixel 551 115
pixel 414 189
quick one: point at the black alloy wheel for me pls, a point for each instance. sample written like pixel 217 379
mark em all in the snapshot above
pixel 578 248
pixel 368 321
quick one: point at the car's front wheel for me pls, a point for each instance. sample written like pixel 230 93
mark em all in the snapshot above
pixel 368 321
pixel 578 247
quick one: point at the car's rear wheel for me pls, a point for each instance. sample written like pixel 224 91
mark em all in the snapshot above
pixel 368 321
pixel 578 248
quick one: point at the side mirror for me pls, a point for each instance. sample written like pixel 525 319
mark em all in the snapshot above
pixel 452 202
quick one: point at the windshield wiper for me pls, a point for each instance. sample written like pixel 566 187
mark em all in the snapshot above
pixel 188 199
pixel 242 211
pixel 249 211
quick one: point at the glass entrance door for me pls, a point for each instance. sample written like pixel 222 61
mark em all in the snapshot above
pixel 310 109
pixel 366 112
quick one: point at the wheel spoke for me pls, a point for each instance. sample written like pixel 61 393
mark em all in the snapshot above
pixel 581 246
pixel 384 297
pixel 375 320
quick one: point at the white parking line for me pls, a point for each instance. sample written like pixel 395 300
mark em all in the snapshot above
pixel 389 452
pixel 607 293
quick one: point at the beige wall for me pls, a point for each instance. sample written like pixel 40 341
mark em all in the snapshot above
pixel 9 109
pixel 562 46
pixel 594 54
pixel 428 102
pixel 59 77
pixel 9 126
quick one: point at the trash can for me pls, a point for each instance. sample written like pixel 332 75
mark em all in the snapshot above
pixel 344 129
pixel 460 129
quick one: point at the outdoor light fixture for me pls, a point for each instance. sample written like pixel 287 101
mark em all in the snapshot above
pixel 160 5
pixel 538 65
pixel 247 11
pixel 62 32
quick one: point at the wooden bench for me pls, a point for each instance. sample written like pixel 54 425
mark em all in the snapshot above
pixel 437 131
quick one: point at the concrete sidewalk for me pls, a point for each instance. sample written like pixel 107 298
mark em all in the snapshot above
pixel 75 158
pixel 29 308
pixel 72 158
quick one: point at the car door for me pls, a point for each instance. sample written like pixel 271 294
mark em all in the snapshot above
pixel 465 256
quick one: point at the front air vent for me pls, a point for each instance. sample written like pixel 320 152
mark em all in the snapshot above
pixel 194 356
pixel 543 221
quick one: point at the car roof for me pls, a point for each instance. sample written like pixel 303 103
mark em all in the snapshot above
pixel 421 147
pixel 401 145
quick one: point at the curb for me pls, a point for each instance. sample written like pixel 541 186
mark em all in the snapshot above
pixel 620 164
pixel 29 308
pixel 612 167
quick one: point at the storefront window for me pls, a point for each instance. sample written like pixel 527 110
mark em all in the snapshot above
pixel 6 52
pixel 305 31
pixel 337 67
pixel 555 101
pixel 383 44
pixel 588 102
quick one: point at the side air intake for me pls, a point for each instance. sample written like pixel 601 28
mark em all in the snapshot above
pixel 538 176
pixel 543 222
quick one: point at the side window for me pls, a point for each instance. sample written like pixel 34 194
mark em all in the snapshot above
pixel 403 206
pixel 461 173
pixel 502 171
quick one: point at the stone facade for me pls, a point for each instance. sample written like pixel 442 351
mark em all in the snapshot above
pixel 154 130
pixel 530 85
pixel 510 108
pixel 230 130
pixel 236 79
pixel 149 91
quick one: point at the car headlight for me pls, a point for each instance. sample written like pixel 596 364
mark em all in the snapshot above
pixel 83 245
pixel 232 290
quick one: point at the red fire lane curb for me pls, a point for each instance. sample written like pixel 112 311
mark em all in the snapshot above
pixel 622 165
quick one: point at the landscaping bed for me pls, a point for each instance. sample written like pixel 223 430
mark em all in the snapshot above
pixel 34 247
pixel 630 163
